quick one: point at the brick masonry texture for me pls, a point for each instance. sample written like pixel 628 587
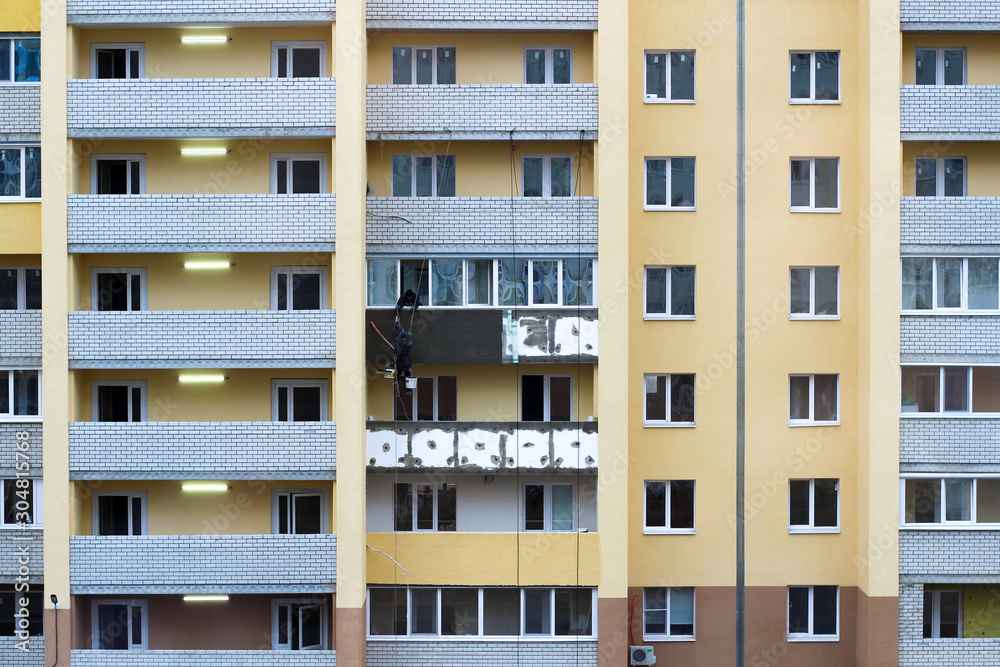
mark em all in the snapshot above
pixel 219 223
pixel 441 12
pixel 8 447
pixel 182 450
pixel 471 224
pixel 200 339
pixel 944 440
pixel 949 11
pixel 10 546
pixel 951 110
pixel 152 564
pixel 951 337
pixel 188 107
pixel 91 658
pixel 488 109
pixel 15 657
pixel 20 338
pixel 915 651
pixel 103 8
pixel 950 220
pixel 948 552
pixel 20 109
pixel 485 653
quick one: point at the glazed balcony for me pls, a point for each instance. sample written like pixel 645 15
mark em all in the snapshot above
pixel 950 113
pixel 93 13
pixel 20 337
pixel 482 15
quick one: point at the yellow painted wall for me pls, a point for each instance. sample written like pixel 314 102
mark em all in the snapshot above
pixel 544 559
pixel 21 228
pixel 982 169
pixel 982 57
pixel 248 54
pixel 482 169
pixel 499 59
pixel 21 16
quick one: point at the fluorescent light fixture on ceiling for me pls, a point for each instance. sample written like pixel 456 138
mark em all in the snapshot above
pixel 204 39
pixel 217 487
pixel 204 151
pixel 206 598
pixel 202 378
pixel 207 265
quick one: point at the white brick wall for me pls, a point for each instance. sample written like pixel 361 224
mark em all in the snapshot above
pixel 162 564
pixel 472 14
pixel 950 220
pixel 949 553
pixel 20 337
pixel 193 450
pixel 202 339
pixel 473 224
pixel 482 111
pixel 404 653
pixel 20 109
pixel 937 440
pixel 964 111
pixel 135 11
pixel 915 651
pixel 95 658
pixel 948 11
pixel 201 107
pixel 946 338
pixel 8 447
pixel 12 541
pixel 15 657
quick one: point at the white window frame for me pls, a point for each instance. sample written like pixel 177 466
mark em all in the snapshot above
pixel 37 502
pixel 945 524
pixel 547 502
pixel 127 46
pixel 809 636
pixel 415 391
pixel 130 157
pixel 413 174
pixel 645 290
pixel 141 385
pixel 413 63
pixel 301 602
pixel 95 634
pixel 547 397
pixel 669 637
pixel 291 493
pixel 547 175
pixel 12 38
pixel 666 529
pixel 811 315
pixel 939 173
pixel 22 285
pixel 289 383
pixel 10 416
pixel 812 77
pixel 811 421
pixel 291 45
pixel 939 63
pixel 812 527
pixel 549 64
pixel 295 157
pixel 666 99
pixel 130 271
pixel 24 184
pixel 413 507
pixel 95 507
pixel 290 271
pixel 667 423
pixel 646 206
pixel 935 594
pixel 939 310
pixel 812 208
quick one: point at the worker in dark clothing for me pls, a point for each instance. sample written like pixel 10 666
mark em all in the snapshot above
pixel 408 300
pixel 403 342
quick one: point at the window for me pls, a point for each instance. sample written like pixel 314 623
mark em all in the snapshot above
pixel 813 399
pixel 673 176
pixel 940 177
pixel 20 288
pixel 11 614
pixel 548 65
pixel 950 389
pixel 429 507
pixel 117 61
pixel 669 76
pixel 298 287
pixel 20 172
pixel 20 394
pixel 298 625
pixel 298 511
pixel 22 502
pixel 120 513
pixel 298 400
pixel 940 67
pixel 423 65
pixel 813 506
pixel 667 613
pixel 118 174
pixel 295 60
pixel 951 501
pixel 434 399
pixel 669 292
pixel 547 175
pixel 548 507
pixel 813 613
pixel 119 401
pixel 814 76
pixel 669 507
pixel 423 175
pixel 118 289
pixel 546 398
pixel 20 60
pixel 534 613
pixel 298 173
pixel 942 614
pixel 950 284
pixel 814 292
pixel 119 624
pixel 669 399
pixel 815 184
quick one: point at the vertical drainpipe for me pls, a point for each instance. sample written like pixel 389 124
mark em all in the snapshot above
pixel 740 330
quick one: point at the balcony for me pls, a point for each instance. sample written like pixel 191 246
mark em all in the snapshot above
pixel 925 444
pixel 203 450
pixel 96 658
pixel 11 655
pixel 21 339
pixel 950 338
pixel 462 653
pixel 949 221
pixel 13 543
pixel 93 13
pixel 201 223
pixel 482 112
pixel 202 339
pixel 178 108
pixel 950 555
pixel 20 108
pixel 915 651
pixel 482 447
pixel 950 113
pixel 473 224
pixel 949 16
pixel 482 15
pixel 202 564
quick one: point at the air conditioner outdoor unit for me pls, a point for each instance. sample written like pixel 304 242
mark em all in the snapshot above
pixel 641 655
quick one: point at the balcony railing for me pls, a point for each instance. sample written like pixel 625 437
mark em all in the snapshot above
pixel 956 113
pixel 20 107
pixel 461 653
pixel 116 12
pixel 949 338
pixel 202 223
pixel 12 655
pixel 949 16
pixel 16 545
pixel 8 436
pixel 488 112
pixel 20 337
pixel 165 108
pixel 928 221
pixel 203 450
pixel 482 446
pixel 205 564
pixel 926 443
pixel 958 553
pixel 213 658
pixel 483 15
pixel 202 339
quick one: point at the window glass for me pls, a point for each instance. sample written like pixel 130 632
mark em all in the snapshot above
pixel 25 393
pixel 33 289
pixel 534 66
pixel 5 48
pixel 656 504
pixel 656 397
pixel 682 398
pixel 305 176
pixel 656 291
pixel 388 611
pixel 532 173
pixel 402 65
pixel 825 510
pixel 798 610
pixel 824 610
pixel 32 172
pixel 798 389
pixel 682 290
pixel 501 611
pixel 562 66
pixel 656 75
pixel 307 404
pixel 459 611
pixel 560 399
pixel 682 75
pixel 988 500
pixel 926 67
pixel 534 507
pixel 446 64
pixel 798 502
pixel 958 499
pixel 984 286
pixel 654 612
pixel 447 386
pixel 111 619
pixel 513 282
pixel 10 172
pixel 926 177
pixel 573 612
pixel 562 507
pixel 113 515
pixel 447 497
pixel 949 283
pixel 425 66
pixel 800 280
pixel 545 282
pixel 578 282
pixel 800 180
pixel 423 607
pixel 954 177
pixel 537 614
pixel 305 62
pixel 827 75
pixel 799 76
pixel 682 504
pixel 918 283
pixel 402 176
pixel 382 282
pixel 826 183
pixel 414 276
pixel 656 182
pixel 445 175
pixel 682 181
pixel 308 513
pixel 402 507
pixel 447 277
pixel 825 396
pixel 561 182
pixel 27 60
pixel 920 387
pixel 956 389
pixel 923 500
pixel 424 175
pixel 954 67
pixel 682 611
pixel 986 389
pixel 481 282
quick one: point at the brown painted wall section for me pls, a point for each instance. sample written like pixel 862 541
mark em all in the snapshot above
pixel 612 632
pixel 352 647
pixel 766 630
pixel 878 631
pixel 715 630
